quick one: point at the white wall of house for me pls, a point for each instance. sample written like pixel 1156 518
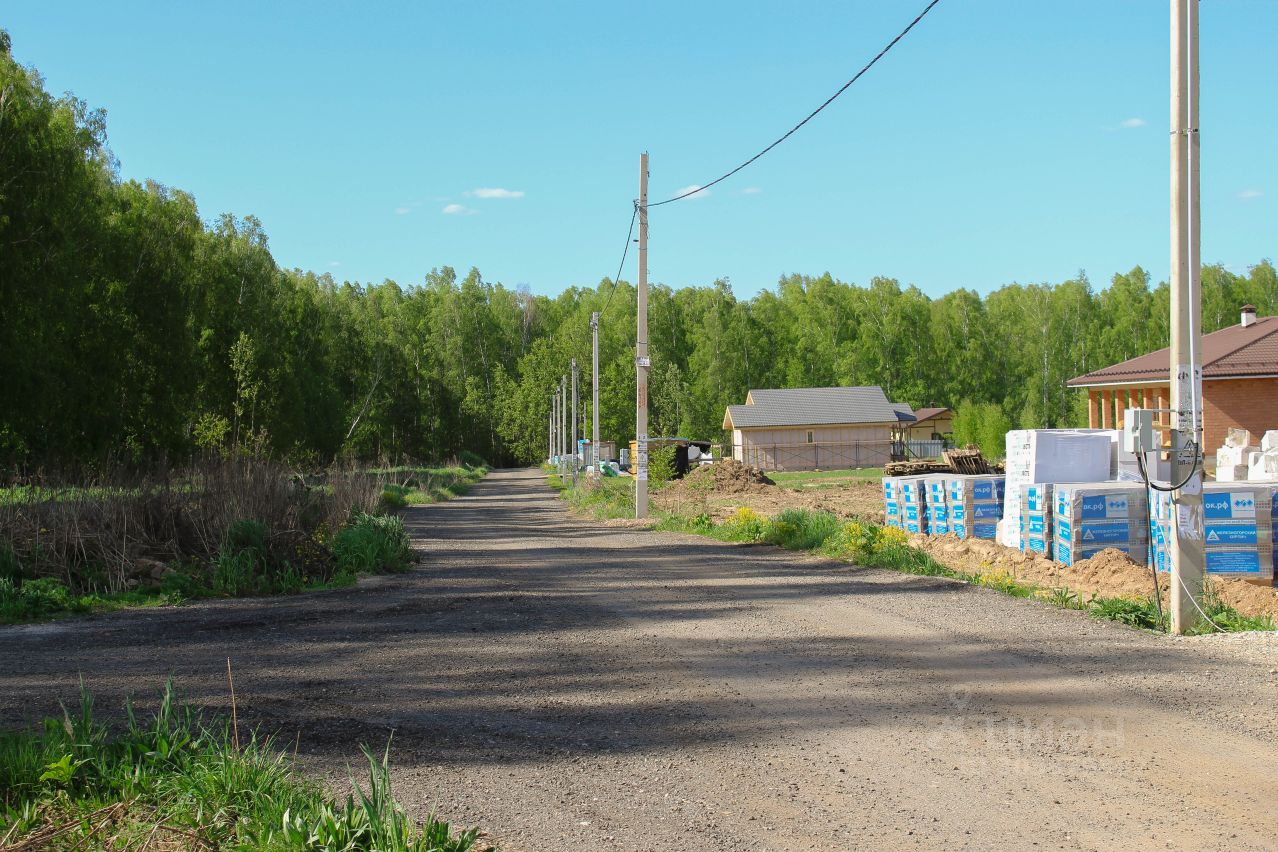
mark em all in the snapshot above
pixel 831 447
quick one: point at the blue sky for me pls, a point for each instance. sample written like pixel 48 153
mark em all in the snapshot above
pixel 1003 140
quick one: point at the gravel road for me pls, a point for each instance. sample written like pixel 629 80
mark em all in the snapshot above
pixel 566 685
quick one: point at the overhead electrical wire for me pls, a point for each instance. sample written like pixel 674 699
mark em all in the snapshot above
pixel 616 278
pixel 810 115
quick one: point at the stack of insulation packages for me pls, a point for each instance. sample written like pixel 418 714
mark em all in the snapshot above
pixel 1091 516
pixel 905 503
pixel 1039 458
pixel 974 504
pixel 1240 530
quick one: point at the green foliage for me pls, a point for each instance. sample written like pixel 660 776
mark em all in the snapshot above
pixel 661 464
pixel 603 498
pixel 982 424
pixel 1135 612
pixel 33 599
pixel 800 529
pixel 134 331
pixel 179 777
pixel 373 544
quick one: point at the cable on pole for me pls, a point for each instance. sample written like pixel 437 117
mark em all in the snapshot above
pixel 810 115
pixel 624 252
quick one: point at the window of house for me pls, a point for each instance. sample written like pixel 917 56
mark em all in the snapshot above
pixel 809 437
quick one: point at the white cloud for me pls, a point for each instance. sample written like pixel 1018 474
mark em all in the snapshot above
pixel 496 192
pixel 457 210
pixel 1133 122
pixel 751 190
pixel 334 263
pixel 403 210
pixel 693 188
pixel 1249 194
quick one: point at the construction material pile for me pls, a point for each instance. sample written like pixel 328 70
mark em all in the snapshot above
pixel 1239 460
pixel 1240 529
pixel 1067 496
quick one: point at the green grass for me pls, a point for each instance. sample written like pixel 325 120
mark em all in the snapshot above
pixel 810 479
pixel 183 782
pixel 246 564
pixel 603 498
pixel 419 486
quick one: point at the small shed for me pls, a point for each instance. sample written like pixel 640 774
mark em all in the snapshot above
pixel 1240 382
pixel 818 428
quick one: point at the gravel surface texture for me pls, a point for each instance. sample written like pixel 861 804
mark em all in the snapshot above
pixel 567 685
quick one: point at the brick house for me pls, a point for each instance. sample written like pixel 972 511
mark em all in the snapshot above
pixel 1240 382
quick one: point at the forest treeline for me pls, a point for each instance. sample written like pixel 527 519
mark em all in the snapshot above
pixel 133 330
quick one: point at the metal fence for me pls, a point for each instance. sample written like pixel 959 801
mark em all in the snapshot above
pixel 833 456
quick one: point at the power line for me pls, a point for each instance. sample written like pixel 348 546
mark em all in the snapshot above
pixel 629 235
pixel 810 116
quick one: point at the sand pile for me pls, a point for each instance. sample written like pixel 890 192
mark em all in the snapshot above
pixel 1110 573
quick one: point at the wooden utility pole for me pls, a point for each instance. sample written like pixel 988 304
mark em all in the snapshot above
pixel 1187 560
pixel 594 392
pixel 573 431
pixel 642 364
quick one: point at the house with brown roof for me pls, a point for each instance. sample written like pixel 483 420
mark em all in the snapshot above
pixel 931 424
pixel 1240 382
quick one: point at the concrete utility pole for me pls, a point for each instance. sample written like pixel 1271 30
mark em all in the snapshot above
pixel 1187 560
pixel 642 364
pixel 563 424
pixel 558 456
pixel 550 456
pixel 594 392
pixel 573 433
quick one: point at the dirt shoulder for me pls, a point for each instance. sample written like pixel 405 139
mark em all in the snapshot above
pixel 570 686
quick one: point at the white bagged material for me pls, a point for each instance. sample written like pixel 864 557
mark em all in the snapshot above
pixel 1238 438
pixel 1269 441
pixel 1053 455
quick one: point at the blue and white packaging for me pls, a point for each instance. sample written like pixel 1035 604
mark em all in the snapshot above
pixel 975 504
pixel 1035 518
pixel 1238 530
pixel 938 510
pixel 1089 517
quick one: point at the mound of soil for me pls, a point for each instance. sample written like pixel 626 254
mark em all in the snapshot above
pixel 728 476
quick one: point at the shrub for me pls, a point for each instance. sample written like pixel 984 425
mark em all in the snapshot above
pixel 372 543
pixel 799 529
pixel 33 598
pixel 661 464
pixel 469 459
pixel 745 524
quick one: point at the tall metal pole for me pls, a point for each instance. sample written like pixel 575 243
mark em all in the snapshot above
pixel 573 432
pixel 550 456
pixel 594 392
pixel 559 456
pixel 641 351
pixel 1187 560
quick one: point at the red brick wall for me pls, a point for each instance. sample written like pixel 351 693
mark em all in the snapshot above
pixel 1240 403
